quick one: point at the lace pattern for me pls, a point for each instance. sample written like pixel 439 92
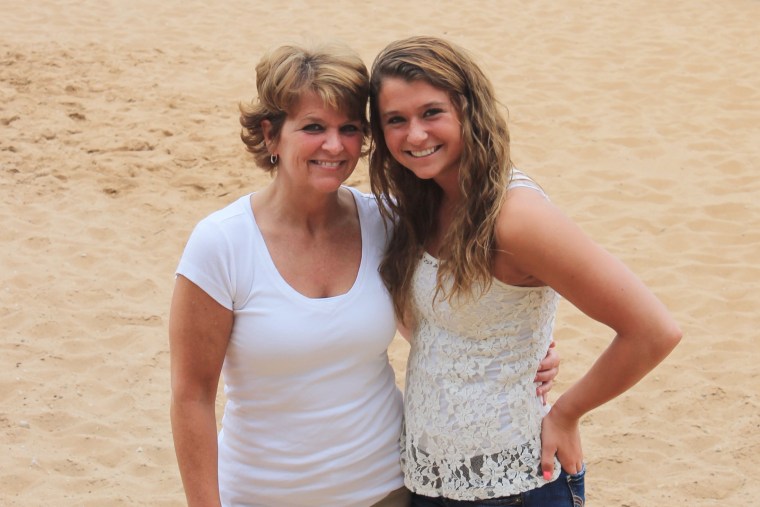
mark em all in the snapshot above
pixel 473 420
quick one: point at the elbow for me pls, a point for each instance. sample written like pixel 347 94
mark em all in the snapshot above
pixel 675 336
pixel 192 391
pixel 670 337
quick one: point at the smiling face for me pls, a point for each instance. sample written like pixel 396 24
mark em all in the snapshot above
pixel 318 147
pixel 421 127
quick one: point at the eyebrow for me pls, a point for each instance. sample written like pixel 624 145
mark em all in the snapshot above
pixel 314 117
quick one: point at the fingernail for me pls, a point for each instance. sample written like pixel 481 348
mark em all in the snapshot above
pixel 547 475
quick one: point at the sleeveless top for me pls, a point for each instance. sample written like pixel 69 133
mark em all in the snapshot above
pixel 313 414
pixel 472 416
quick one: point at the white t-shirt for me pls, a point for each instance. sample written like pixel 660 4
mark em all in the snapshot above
pixel 313 413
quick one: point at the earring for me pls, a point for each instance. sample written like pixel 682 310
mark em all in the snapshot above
pixel 273 159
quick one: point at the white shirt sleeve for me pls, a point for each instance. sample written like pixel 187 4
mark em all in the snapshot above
pixel 207 261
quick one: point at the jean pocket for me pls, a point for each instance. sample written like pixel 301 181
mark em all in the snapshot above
pixel 577 484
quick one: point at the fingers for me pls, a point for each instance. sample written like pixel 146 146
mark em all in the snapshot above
pixel 546 375
pixel 576 468
pixel 560 436
pixel 548 448
pixel 542 390
pixel 570 454
pixel 572 467
pixel 547 462
pixel 551 360
pixel 548 368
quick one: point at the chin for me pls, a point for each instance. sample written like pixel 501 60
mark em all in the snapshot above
pixel 329 185
pixel 424 174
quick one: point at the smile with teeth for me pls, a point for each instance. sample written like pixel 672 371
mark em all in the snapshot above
pixel 423 153
pixel 326 164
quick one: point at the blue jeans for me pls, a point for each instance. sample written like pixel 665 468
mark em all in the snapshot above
pixel 567 491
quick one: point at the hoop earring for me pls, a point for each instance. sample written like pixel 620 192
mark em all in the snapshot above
pixel 273 159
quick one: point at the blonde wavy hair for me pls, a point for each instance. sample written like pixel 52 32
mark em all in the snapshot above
pixel 335 73
pixel 412 203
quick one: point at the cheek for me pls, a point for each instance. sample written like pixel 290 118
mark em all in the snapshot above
pixel 354 146
pixel 455 136
pixel 356 143
pixel 300 147
pixel 392 140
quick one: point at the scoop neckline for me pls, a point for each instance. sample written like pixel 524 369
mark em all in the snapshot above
pixel 286 287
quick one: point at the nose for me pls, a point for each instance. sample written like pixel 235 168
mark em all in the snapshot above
pixel 416 133
pixel 333 143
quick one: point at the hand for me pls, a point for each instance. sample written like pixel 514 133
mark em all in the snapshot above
pixel 548 369
pixel 560 436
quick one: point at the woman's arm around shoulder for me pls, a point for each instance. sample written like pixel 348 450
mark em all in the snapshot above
pixel 199 331
pixel 547 246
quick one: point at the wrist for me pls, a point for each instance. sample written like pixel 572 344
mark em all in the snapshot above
pixel 564 410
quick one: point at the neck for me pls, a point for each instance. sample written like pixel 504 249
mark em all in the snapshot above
pixel 450 186
pixel 291 208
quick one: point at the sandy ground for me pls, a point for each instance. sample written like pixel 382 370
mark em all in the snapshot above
pixel 119 131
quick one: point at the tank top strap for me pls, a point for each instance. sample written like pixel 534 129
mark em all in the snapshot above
pixel 521 180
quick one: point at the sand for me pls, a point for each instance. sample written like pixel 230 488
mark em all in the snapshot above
pixel 120 131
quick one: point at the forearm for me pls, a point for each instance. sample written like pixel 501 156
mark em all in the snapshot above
pixel 624 363
pixel 195 443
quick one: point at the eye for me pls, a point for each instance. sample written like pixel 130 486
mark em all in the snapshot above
pixel 394 120
pixel 313 127
pixel 432 112
pixel 350 129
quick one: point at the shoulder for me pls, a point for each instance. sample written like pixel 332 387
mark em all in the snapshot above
pixel 542 242
pixel 374 222
pixel 370 206
pixel 536 234
pixel 525 203
pixel 369 199
pixel 237 211
pixel 364 200
pixel 525 211
pixel 223 226
pixel 521 180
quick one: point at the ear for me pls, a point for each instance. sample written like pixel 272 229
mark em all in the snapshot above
pixel 266 128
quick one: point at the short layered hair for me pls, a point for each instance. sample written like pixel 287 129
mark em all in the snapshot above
pixel 333 72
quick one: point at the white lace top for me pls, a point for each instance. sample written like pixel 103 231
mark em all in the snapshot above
pixel 472 416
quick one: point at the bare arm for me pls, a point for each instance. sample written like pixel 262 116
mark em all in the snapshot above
pixel 199 330
pixel 551 248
